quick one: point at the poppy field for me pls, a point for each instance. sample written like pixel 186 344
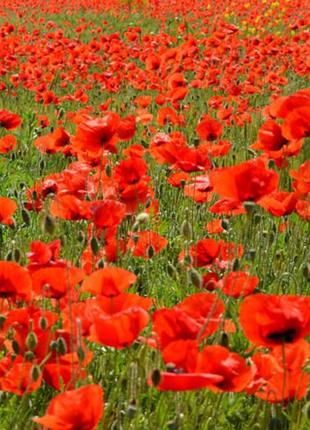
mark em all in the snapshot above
pixel 154 215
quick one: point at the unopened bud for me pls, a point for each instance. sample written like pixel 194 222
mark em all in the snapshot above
pixel 61 346
pixel 195 278
pixel 48 225
pixel 142 217
pixel 43 323
pixel 150 251
pixel 31 341
pixel 35 372
pixel 155 377
pixel 187 230
pixel 94 245
pixel 25 216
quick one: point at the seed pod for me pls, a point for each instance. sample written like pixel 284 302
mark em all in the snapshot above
pixel 53 345
pixel 31 341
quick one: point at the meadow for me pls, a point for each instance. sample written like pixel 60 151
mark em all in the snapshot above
pixel 154 215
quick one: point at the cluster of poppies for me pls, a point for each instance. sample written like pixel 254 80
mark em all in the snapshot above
pixel 55 312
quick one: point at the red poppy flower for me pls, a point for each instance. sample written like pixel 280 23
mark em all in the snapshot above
pixel 279 203
pixel 227 207
pixel 209 128
pixel 74 409
pixel 238 284
pixel 217 360
pixel 9 120
pixel 7 209
pixel 52 142
pixel 203 253
pixel 107 213
pixel 15 281
pixel 271 320
pixel 302 178
pixel 70 207
pixel 296 124
pixel 146 243
pixel 18 377
pixel 109 281
pixel 246 181
pixel 270 137
pixel 96 134
pixel 7 143
pixel 196 317
pixel 303 209
pixel 56 281
pixel 120 329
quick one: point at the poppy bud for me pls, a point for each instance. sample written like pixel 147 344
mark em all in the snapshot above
pixel 29 355
pixel 31 341
pixel 187 230
pixel 53 345
pixel 306 410
pixel 42 165
pixel 48 225
pixel 61 346
pixel 81 353
pixel 43 323
pixel 225 224
pixel 148 203
pixel 101 264
pixel 224 339
pixel 135 238
pixel 256 218
pixel 108 170
pixel 81 236
pixel 195 278
pixel 172 271
pixel 172 425
pixel 9 256
pixel 135 226
pixel 35 372
pixel 150 251
pixel 155 377
pixel 26 217
pixel 94 245
pixel 306 270
pixel 131 411
pixel 187 259
pixel 2 321
pixel 276 423
pixel 16 255
pixel 252 254
pixel 236 264
pixel 15 346
pixel 142 217
pixel 250 207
